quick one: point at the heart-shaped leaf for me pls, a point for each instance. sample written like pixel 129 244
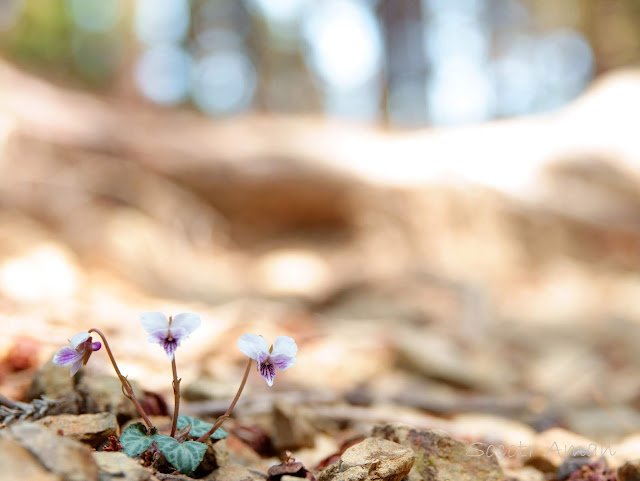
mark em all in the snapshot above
pixel 199 427
pixel 135 439
pixel 185 457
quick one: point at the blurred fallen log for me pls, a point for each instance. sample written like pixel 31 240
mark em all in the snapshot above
pixel 255 166
pixel 516 205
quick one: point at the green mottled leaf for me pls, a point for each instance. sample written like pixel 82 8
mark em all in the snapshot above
pixel 185 457
pixel 199 427
pixel 135 439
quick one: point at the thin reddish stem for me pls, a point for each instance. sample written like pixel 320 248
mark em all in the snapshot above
pixel 226 415
pixel 176 396
pixel 127 390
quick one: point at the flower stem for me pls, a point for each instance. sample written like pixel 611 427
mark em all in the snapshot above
pixel 224 417
pixel 127 390
pixel 176 396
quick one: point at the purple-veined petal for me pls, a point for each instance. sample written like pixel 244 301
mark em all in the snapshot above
pixel 285 345
pixel 282 361
pixel 159 336
pixel 66 356
pixel 78 339
pixel 75 366
pixel 170 347
pixel 267 371
pixel 186 321
pixel 154 321
pixel 254 346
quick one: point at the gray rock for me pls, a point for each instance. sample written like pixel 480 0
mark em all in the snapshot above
pixel 439 357
pixel 629 471
pixel 292 428
pixel 104 394
pixel 439 457
pixel 54 382
pixel 574 461
pixel 595 423
pixel 120 467
pixel 66 458
pixel 51 381
pixel 91 429
pixel 83 394
pixel 236 473
pixel 215 456
pixel 373 459
pixel 18 463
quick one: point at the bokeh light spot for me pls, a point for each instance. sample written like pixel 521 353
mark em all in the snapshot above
pixel 44 274
pixel 456 35
pixel 345 45
pixel 460 92
pixel 564 63
pixel 162 74
pixel 223 82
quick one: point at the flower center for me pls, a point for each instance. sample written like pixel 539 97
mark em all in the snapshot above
pixel 267 370
pixel 170 344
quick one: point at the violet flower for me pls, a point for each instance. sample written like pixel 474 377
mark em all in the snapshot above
pixel 281 356
pixel 169 332
pixel 78 354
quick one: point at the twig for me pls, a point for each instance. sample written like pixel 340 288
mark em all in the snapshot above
pixel 34 410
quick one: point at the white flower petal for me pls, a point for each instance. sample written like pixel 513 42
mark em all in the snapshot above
pixel 154 321
pixel 75 367
pixel 285 345
pixel 78 339
pixel 187 322
pixel 282 361
pixel 66 356
pixel 254 346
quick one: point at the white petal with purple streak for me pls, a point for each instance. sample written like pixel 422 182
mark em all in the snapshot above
pixel 267 371
pixel 75 367
pixel 282 361
pixel 170 345
pixel 66 356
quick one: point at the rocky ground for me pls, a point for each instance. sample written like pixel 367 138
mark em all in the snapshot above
pixel 367 399
pixel 272 444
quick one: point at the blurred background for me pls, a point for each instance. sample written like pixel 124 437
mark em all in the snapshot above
pixel 398 63
pixel 437 199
